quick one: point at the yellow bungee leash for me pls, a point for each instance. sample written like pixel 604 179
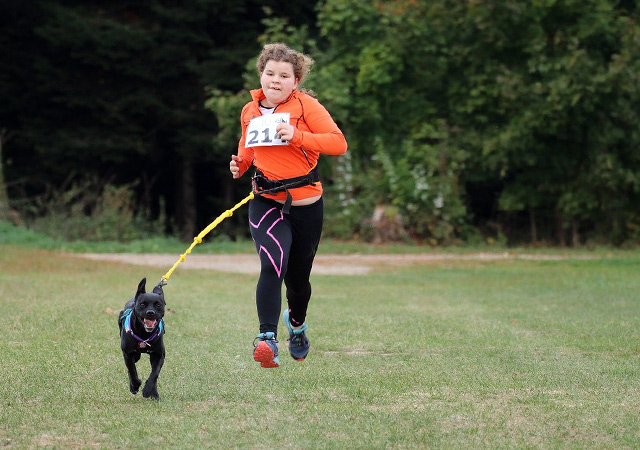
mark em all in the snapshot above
pixel 198 239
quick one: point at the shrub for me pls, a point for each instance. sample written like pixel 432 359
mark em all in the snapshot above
pixel 92 211
pixel 423 182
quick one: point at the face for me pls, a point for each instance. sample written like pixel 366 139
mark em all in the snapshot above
pixel 149 309
pixel 278 82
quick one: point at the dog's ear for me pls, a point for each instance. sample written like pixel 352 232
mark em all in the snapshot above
pixel 141 287
pixel 158 290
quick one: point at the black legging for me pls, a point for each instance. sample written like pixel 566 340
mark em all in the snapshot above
pixel 287 245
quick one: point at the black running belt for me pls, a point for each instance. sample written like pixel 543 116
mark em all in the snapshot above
pixel 263 185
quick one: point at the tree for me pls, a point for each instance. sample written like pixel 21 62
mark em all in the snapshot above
pixel 529 104
pixel 384 74
pixel 567 150
pixel 4 197
pixel 118 90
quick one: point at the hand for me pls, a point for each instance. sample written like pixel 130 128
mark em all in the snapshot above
pixel 233 166
pixel 285 131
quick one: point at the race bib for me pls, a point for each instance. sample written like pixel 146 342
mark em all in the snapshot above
pixel 261 131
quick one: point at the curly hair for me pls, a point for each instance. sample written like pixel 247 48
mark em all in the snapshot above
pixel 280 52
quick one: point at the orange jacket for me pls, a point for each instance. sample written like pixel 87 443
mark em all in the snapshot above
pixel 315 133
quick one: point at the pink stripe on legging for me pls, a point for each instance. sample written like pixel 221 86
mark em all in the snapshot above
pixel 277 268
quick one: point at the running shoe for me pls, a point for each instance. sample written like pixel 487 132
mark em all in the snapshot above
pixel 266 350
pixel 298 341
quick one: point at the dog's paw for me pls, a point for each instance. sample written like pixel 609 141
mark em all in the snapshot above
pixel 134 386
pixel 150 391
pixel 152 396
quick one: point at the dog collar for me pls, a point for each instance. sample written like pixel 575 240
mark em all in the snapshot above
pixel 142 342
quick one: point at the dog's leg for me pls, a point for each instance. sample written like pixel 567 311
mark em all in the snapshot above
pixel 151 385
pixel 134 380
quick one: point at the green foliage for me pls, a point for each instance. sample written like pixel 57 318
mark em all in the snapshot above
pixel 379 85
pixel 423 183
pixel 89 211
pixel 539 100
pixel 571 110
pixel 350 201
pixel 533 105
pixel 122 86
pixel 226 107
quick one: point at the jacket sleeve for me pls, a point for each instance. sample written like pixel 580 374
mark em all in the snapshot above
pixel 245 153
pixel 324 135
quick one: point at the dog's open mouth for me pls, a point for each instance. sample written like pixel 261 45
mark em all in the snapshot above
pixel 149 324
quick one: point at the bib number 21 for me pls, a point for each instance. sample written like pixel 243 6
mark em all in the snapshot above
pixel 261 131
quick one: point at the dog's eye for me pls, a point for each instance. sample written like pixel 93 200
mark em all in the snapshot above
pixel 143 305
pixel 158 305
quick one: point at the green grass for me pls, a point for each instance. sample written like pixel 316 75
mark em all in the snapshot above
pixel 12 235
pixel 478 355
pixel 217 244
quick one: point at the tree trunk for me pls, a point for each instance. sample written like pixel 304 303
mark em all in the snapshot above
pixel 562 242
pixel 575 235
pixel 4 196
pixel 229 226
pixel 187 200
pixel 533 227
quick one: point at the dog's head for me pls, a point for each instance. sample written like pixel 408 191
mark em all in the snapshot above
pixel 149 307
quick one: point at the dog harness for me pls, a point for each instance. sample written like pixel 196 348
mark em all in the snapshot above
pixel 126 317
pixel 263 185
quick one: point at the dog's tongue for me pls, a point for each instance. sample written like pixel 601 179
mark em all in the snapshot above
pixel 150 323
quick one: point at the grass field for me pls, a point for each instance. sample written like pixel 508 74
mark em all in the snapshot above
pixel 475 355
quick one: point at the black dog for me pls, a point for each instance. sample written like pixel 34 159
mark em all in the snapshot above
pixel 141 331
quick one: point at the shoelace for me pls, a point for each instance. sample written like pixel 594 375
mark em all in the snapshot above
pixel 258 338
pixel 297 340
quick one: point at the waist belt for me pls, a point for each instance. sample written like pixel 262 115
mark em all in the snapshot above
pixel 263 185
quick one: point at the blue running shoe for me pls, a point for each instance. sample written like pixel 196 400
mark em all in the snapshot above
pixel 266 350
pixel 298 341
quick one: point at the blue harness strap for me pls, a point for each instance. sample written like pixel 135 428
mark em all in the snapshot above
pixel 126 318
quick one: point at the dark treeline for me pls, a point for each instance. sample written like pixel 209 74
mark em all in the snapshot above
pixel 511 120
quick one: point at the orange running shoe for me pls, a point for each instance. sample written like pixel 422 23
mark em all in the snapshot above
pixel 266 350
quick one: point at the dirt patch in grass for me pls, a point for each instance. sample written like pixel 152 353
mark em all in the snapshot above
pixel 356 264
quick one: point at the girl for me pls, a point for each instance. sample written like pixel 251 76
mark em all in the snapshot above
pixel 284 131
